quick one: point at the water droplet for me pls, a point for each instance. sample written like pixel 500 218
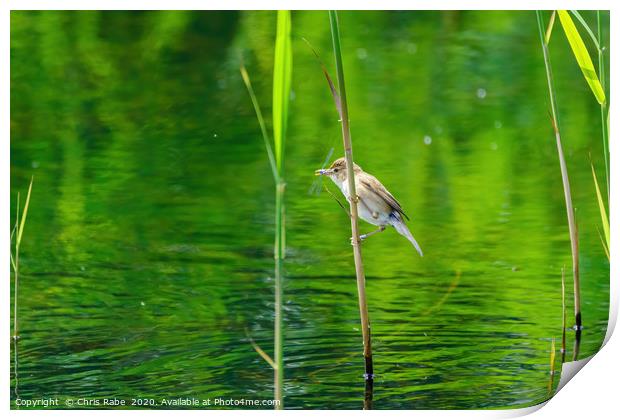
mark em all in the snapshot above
pixel 493 146
pixel 142 303
pixel 214 135
pixel 362 54
pixel 498 124
pixel 481 93
pixel 35 164
pixel 221 83
pixel 428 140
pixel 412 48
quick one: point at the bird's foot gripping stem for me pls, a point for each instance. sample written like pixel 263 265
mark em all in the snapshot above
pixel 369 234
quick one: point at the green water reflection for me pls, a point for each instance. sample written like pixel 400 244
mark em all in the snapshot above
pixel 148 247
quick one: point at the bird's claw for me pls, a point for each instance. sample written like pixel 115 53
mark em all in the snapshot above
pixel 362 237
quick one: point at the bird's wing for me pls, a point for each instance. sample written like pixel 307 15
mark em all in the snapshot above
pixel 373 184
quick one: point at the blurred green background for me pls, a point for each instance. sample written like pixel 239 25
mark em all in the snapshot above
pixel 148 248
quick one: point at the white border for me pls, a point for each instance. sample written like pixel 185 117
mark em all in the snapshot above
pixel 592 394
pixel 303 5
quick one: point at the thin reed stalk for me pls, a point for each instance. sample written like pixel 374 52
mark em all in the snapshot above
pixel 570 213
pixel 18 232
pixel 281 93
pixel 601 72
pixel 348 151
pixel 605 136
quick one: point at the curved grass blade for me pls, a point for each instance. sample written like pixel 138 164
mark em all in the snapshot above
pixel 582 56
pixel 332 87
pixel 13 233
pixel 601 206
pixel 260 351
pixel 261 121
pixel 550 27
pixel 22 223
pixel 282 71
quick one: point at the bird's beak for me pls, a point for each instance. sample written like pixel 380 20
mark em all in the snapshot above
pixel 321 172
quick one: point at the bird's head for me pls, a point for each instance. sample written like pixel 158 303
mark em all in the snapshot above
pixel 337 171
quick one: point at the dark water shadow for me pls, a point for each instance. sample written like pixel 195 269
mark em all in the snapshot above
pixel 577 342
pixel 368 392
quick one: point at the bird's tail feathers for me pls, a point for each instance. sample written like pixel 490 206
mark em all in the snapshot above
pixel 402 228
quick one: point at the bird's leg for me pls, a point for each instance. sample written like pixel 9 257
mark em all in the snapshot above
pixel 366 235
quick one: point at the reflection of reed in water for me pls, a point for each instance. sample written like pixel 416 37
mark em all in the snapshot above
pixel 445 297
pixel 563 317
pixel 368 394
pixel 552 367
pixel 577 342
pixel 15 370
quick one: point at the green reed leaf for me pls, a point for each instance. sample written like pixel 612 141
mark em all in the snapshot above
pixel 282 71
pixel 582 56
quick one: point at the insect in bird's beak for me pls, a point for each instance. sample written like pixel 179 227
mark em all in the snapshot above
pixel 317 184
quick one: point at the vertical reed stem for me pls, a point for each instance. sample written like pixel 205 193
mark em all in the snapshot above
pixel 282 70
pixel 279 255
pixel 570 213
pixel 348 150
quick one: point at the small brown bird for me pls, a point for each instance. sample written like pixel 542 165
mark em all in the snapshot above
pixel 376 205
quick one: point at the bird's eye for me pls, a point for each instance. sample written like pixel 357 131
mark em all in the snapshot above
pixel 336 170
